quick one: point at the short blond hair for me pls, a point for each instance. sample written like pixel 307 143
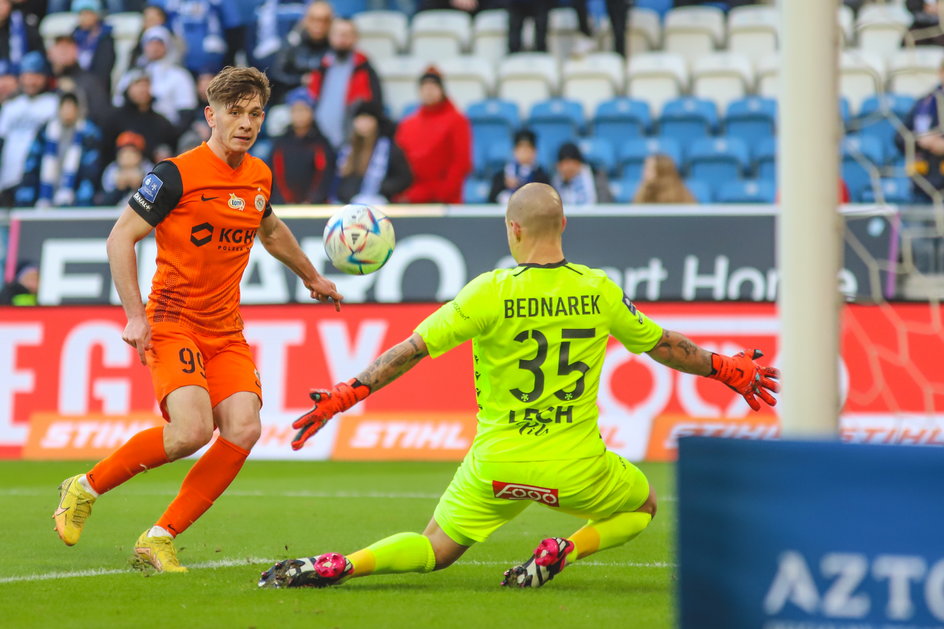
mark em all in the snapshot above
pixel 233 84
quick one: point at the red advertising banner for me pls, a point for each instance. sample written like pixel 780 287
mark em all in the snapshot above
pixel 70 388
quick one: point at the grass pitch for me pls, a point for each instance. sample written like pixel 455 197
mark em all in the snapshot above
pixel 276 510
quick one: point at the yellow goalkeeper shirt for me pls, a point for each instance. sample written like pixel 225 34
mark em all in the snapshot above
pixel 539 335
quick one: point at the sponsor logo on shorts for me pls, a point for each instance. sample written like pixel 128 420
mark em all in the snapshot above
pixel 517 491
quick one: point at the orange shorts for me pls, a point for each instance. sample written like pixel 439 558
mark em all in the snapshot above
pixel 180 357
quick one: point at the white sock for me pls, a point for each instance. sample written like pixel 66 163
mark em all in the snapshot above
pixel 83 480
pixel 157 531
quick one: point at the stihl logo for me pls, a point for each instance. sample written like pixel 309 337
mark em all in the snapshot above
pixel 516 491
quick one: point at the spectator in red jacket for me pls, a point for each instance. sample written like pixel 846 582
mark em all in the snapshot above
pixel 437 140
pixel 342 80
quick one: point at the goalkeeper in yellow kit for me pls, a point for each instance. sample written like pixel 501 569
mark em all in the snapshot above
pixel 539 335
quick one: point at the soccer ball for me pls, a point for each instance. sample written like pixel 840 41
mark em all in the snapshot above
pixel 358 239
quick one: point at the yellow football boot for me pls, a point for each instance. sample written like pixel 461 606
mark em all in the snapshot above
pixel 159 552
pixel 75 506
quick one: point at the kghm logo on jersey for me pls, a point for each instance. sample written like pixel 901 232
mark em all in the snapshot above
pixel 517 491
pixel 260 203
pixel 235 202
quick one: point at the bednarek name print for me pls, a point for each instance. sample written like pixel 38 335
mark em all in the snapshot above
pixel 552 306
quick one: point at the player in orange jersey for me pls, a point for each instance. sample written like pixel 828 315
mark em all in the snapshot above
pixel 207 207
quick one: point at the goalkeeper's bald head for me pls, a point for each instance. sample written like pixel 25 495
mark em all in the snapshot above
pixel 537 208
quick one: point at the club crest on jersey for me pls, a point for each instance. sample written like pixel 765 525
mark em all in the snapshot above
pixel 235 202
pixel 260 203
pixel 151 185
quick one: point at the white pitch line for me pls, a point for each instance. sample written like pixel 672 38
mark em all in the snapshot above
pixel 248 561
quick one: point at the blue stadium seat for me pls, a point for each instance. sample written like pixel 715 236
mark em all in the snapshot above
pixel 764 159
pixel 857 149
pixel 555 121
pixel 598 153
pixel 717 159
pixel 619 119
pixel 685 119
pixel 751 119
pixel 701 190
pixel 875 119
pixel 476 190
pixel 894 190
pixel 747 191
pixel 493 122
pixel 659 6
pixel 624 190
pixel 496 156
pixel 633 153
pixel 347 8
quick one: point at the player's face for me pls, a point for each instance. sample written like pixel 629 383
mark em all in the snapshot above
pixel 237 126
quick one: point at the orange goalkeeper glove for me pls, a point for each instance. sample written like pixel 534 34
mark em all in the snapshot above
pixel 343 396
pixel 742 374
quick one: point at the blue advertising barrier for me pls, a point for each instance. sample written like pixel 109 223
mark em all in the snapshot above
pixel 810 535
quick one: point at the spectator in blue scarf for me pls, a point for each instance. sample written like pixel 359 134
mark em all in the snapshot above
pixel 522 169
pixel 19 34
pixel 93 37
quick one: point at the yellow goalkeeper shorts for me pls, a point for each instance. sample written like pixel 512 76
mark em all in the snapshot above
pixel 483 495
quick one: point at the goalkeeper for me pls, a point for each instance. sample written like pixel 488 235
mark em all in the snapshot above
pixel 540 332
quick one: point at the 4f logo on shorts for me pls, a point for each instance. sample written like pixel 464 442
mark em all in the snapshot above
pixel 517 491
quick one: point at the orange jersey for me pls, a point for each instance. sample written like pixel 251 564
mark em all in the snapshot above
pixel 206 216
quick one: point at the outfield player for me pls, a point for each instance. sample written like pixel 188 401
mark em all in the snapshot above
pixel 207 206
pixel 540 333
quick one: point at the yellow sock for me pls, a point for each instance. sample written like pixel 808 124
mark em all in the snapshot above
pixel 615 530
pixel 403 552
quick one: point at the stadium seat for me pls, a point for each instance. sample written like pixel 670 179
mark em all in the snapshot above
pixel 764 159
pixel 876 116
pixel 624 189
pixel 889 190
pixel 562 31
pixel 845 111
pixel 693 31
pixel 861 74
pixel 753 30
pixel 881 27
pixel 631 154
pixel 747 191
pixel 349 8
pixel 620 119
pixel 277 120
pixel 381 33
pixel 439 34
pixel 555 121
pixel 593 79
pixel 599 153
pixel 399 76
pixel 490 35
pixel 497 155
pixel 717 159
pixel 659 6
pixel 702 190
pixel 915 71
pixel 846 19
pixel 861 155
pixel 643 30
pixel 408 109
pixel 767 76
pixel 468 79
pixel 751 119
pixel 493 123
pixel 56 24
pixel 125 25
pixel 687 118
pixel 527 77
pixel 722 77
pixel 657 77
pixel 476 190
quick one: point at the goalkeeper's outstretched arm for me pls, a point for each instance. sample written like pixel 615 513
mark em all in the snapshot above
pixel 739 372
pixel 394 362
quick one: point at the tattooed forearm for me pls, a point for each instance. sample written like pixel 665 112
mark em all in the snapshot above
pixel 676 351
pixel 393 363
